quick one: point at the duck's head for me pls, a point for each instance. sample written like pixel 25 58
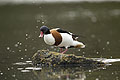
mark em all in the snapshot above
pixel 44 30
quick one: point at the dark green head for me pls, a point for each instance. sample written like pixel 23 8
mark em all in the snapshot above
pixel 44 30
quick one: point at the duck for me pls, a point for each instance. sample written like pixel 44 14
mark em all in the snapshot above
pixel 60 38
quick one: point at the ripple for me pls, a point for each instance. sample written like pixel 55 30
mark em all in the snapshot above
pixel 110 60
pixel 105 60
pixel 20 63
pixel 33 68
pixel 25 70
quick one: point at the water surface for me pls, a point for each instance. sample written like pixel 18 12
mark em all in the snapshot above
pixel 98 25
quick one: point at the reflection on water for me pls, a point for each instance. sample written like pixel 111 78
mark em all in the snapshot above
pixel 96 23
pixel 55 73
pixel 62 73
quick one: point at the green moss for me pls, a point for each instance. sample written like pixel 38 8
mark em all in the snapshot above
pixel 49 58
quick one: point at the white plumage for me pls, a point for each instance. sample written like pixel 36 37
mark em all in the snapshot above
pixel 67 40
pixel 49 39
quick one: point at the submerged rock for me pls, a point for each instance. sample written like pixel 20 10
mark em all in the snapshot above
pixel 49 58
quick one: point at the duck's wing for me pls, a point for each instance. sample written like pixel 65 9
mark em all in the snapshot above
pixel 75 37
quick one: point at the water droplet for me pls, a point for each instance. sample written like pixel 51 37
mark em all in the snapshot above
pixel 8 69
pixel 37 27
pixel 99 40
pixel 1 73
pixel 26 35
pixel 97 52
pixel 103 48
pixel 13 51
pixel 33 48
pixel 20 43
pixel 43 22
pixel 8 48
pixel 111 57
pixel 38 20
pixel 21 58
pixel 16 45
pixel 25 49
pixel 83 52
pixel 108 42
pixel 90 71
pixel 83 55
pixel 12 68
pixel 112 73
pixel 5 77
pixel 29 58
pixel 42 16
pixel 92 36
pixel 103 68
pixel 117 78
pixel 35 31
pixel 20 50
pixel 13 75
pixel 25 55
pixel 26 45
pixel 78 49
pixel 16 79
pixel 59 77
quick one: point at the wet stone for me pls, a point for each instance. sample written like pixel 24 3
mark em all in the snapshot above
pixel 49 58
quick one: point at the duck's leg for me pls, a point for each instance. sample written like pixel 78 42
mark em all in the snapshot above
pixel 61 50
pixel 65 51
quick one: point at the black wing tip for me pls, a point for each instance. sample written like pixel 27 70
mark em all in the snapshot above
pixel 62 31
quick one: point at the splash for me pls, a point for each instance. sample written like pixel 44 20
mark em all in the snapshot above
pixel 107 60
pixel 110 60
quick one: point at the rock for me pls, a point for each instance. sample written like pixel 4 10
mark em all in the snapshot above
pixel 49 58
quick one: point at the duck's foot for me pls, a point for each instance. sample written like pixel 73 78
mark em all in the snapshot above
pixel 65 51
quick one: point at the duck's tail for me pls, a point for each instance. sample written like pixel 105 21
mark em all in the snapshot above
pixel 77 44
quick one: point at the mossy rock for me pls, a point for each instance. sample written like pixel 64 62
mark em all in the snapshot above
pixel 49 58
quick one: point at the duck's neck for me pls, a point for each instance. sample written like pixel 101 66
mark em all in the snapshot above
pixel 47 32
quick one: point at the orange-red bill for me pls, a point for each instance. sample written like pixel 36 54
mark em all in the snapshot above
pixel 41 34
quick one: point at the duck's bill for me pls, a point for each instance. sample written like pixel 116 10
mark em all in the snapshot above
pixel 41 34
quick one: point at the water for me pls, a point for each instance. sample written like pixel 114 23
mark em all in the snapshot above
pixel 96 23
